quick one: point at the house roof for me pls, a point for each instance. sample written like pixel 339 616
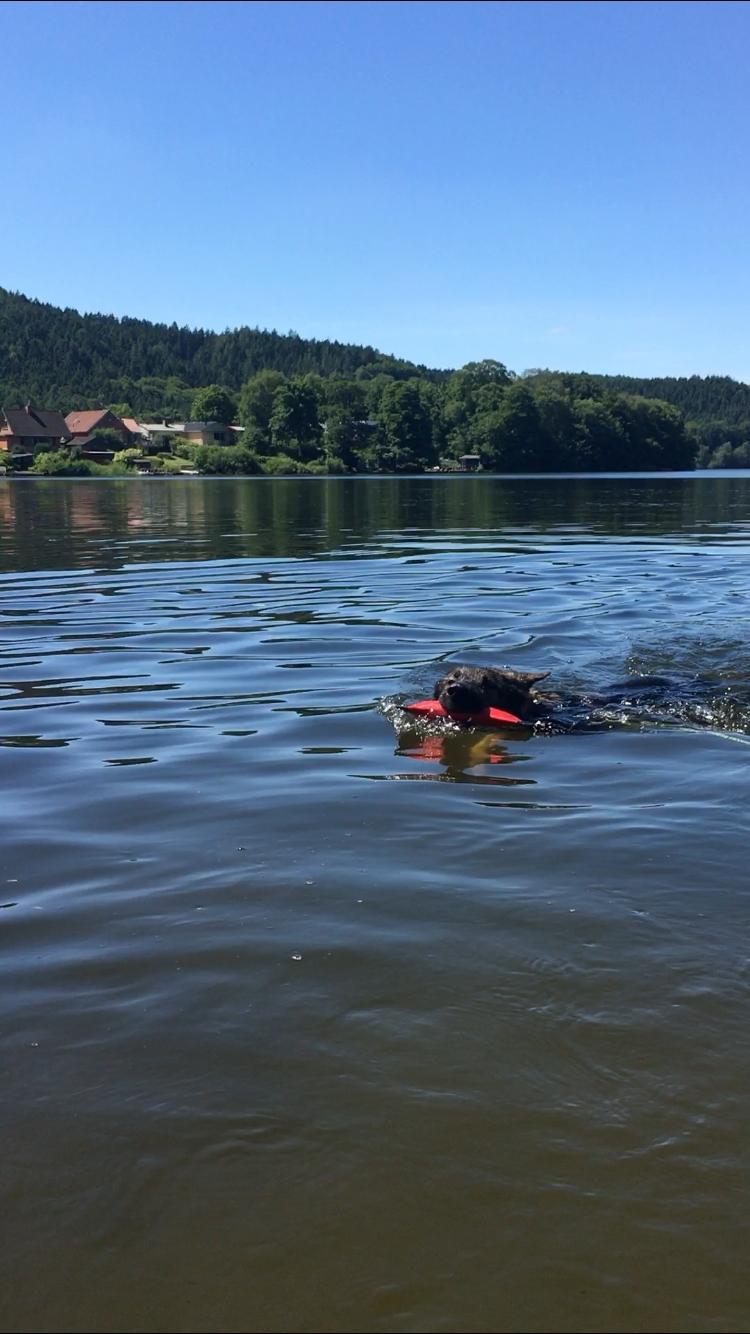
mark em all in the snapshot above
pixel 81 423
pixel 37 422
pixel 205 426
pixel 86 441
pixel 133 426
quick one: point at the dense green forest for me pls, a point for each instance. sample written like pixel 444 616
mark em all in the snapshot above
pixel 310 405
pixel 700 398
pixel 716 408
pixel 66 360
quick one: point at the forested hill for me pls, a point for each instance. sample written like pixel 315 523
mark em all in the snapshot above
pixel 701 399
pixel 414 415
pixel 62 359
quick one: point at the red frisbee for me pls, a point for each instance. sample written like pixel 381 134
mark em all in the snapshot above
pixel 432 708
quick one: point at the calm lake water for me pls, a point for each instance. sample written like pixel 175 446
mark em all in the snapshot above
pixel 311 1023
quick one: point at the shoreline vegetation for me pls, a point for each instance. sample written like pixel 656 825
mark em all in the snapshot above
pixel 307 407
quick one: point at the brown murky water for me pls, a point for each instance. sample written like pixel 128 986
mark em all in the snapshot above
pixel 292 1041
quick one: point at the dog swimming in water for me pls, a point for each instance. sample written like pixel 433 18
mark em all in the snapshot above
pixel 466 689
pixel 637 700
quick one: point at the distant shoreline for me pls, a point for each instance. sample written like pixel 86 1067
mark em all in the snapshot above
pixel 384 476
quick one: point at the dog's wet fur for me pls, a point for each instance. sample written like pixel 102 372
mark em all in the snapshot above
pixel 465 689
pixel 472 689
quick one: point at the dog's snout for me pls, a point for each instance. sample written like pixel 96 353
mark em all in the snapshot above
pixel 461 697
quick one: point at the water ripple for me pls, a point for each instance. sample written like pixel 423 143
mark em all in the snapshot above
pixel 301 1000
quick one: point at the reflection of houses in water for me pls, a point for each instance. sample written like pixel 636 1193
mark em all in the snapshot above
pixel 167 505
pixel 121 507
pixel 7 507
pixel 85 508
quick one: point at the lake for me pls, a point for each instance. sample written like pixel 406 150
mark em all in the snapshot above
pixel 313 1023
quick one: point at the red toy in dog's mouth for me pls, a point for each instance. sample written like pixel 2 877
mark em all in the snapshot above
pixel 432 708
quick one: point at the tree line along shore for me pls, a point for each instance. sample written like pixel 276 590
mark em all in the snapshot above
pixel 294 405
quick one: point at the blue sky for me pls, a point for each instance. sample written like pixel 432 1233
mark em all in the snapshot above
pixel 551 184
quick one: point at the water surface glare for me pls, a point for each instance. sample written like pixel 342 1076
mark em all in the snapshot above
pixel 315 1021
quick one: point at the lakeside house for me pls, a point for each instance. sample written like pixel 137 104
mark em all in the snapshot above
pixel 83 428
pixel 160 436
pixel 25 429
pixel 211 433
pixel 82 425
pixel 137 432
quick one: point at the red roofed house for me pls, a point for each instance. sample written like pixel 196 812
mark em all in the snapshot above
pixel 138 434
pixel 83 424
pixel 25 429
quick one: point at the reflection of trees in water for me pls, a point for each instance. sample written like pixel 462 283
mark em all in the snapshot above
pixel 54 524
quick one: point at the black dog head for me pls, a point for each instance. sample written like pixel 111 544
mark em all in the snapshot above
pixel 473 689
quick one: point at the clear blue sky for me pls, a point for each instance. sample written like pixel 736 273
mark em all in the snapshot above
pixel 552 184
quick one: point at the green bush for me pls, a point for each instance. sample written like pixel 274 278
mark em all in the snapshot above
pixel 104 437
pixel 60 463
pixel 333 466
pixel 225 459
pixel 109 469
pixel 327 467
pixel 183 447
pixel 280 465
pixel 169 463
pixel 728 456
pixel 13 462
pixel 127 457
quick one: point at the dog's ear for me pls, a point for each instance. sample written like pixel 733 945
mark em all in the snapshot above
pixel 525 679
